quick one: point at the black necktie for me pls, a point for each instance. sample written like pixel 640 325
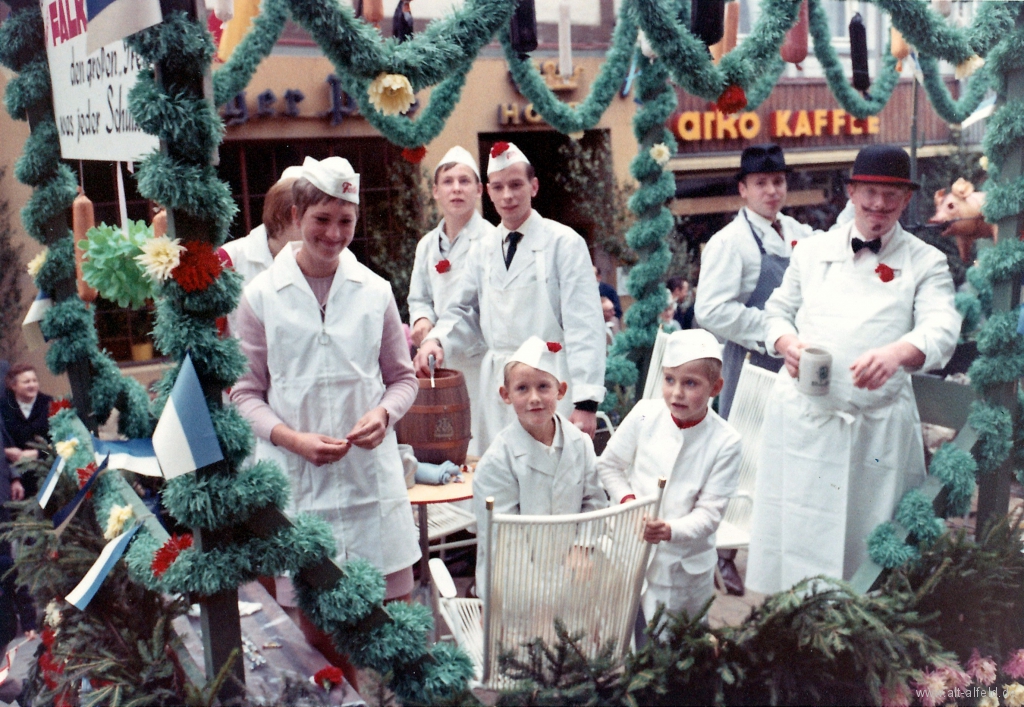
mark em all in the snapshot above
pixel 513 242
pixel 874 246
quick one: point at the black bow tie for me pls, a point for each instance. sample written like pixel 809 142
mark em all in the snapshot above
pixel 874 246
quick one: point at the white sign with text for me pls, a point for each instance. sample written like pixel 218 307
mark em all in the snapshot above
pixel 90 91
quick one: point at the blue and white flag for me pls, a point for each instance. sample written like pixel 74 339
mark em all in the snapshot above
pixel 111 20
pixel 30 328
pixel 131 455
pixel 184 439
pixel 46 490
pixel 62 517
pixel 81 595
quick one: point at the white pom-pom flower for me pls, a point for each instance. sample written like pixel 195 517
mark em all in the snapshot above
pixel 160 256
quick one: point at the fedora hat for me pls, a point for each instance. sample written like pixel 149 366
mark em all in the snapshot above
pixel 762 158
pixel 883 164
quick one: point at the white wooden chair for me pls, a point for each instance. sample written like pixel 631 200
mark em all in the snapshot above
pixel 444 519
pixel 585 569
pixel 747 414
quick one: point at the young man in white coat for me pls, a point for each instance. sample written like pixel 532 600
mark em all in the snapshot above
pixel 682 439
pixel 540 464
pixel 880 301
pixel 740 268
pixel 441 258
pixel 532 277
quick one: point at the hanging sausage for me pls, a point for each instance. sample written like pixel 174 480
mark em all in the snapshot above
pixel 898 47
pixel 794 48
pixel 859 54
pixel 82 219
pixel 707 20
pixel 523 30
pixel 728 41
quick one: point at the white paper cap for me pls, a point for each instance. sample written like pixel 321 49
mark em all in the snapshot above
pixel 293 172
pixel 539 354
pixel 689 345
pixel 333 176
pixel 458 155
pixel 502 155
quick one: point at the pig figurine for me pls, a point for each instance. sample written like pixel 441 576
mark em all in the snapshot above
pixel 960 208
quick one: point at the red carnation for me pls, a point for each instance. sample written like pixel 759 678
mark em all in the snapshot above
pixel 328 677
pixel 885 273
pixel 198 268
pixel 47 637
pixel 443 266
pixel 168 553
pixel 84 476
pixel 732 100
pixel 498 148
pixel 792 244
pixel 414 155
pixel 554 346
pixel 58 405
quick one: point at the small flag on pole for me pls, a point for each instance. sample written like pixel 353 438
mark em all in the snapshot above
pixel 111 20
pixel 46 490
pixel 5 671
pixel 65 514
pixel 131 455
pixel 184 439
pixel 30 328
pixel 81 595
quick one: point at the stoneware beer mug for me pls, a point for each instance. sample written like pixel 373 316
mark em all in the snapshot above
pixel 815 371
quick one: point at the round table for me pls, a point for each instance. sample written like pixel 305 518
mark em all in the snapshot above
pixel 422 495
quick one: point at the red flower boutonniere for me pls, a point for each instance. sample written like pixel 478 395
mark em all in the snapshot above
pixel 414 155
pixel 792 244
pixel 198 268
pixel 554 346
pixel 328 677
pixel 58 405
pixel 732 100
pixel 885 273
pixel 499 147
pixel 168 553
pixel 443 266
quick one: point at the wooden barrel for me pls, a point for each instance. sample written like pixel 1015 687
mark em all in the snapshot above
pixel 437 425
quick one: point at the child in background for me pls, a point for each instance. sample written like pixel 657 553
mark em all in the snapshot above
pixel 540 464
pixel 698 452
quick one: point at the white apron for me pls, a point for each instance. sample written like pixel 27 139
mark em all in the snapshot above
pixel 445 286
pixel 514 305
pixel 324 376
pixel 832 468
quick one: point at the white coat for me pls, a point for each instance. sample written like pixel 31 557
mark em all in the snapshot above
pixel 549 291
pixel 730 266
pixel 833 467
pixel 699 462
pixel 324 376
pixel 524 478
pixel 250 255
pixel 430 292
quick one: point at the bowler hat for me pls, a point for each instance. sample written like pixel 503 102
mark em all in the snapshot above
pixel 762 158
pixel 883 164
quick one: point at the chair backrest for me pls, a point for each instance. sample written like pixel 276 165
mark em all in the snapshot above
pixel 747 415
pixel 585 569
pixel 652 384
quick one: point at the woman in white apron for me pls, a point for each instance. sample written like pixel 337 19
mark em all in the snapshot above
pixel 330 376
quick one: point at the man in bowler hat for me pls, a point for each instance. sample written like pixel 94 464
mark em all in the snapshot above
pixel 740 268
pixel 880 301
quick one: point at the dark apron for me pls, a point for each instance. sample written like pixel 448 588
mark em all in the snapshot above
pixel 773 267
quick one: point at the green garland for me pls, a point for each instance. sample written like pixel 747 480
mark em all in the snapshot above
pixel 949 110
pixel 558 115
pixel 648 235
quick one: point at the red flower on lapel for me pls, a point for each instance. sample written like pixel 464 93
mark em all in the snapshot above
pixel 554 346
pixel 792 244
pixel 885 273
pixel 443 266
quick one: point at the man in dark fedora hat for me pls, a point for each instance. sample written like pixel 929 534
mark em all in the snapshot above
pixel 880 302
pixel 740 268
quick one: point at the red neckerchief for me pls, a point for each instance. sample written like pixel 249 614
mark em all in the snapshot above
pixel 688 425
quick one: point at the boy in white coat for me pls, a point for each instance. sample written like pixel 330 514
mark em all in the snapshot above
pixel 699 452
pixel 540 464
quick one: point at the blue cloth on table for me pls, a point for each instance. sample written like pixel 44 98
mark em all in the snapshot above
pixel 438 474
